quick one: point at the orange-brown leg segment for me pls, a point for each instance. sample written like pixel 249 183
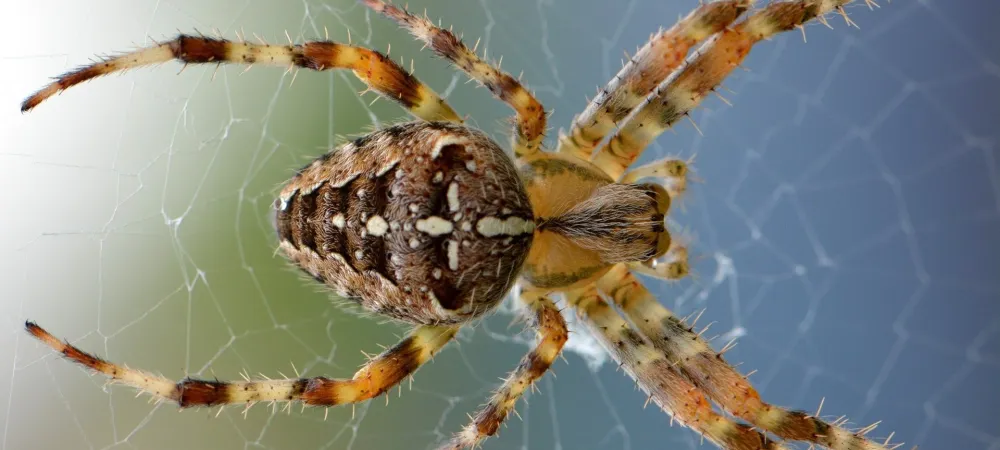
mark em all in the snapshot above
pixel 654 374
pixel 652 64
pixel 378 376
pixel 530 122
pixel 376 70
pixel 677 97
pixel 692 356
pixel 548 321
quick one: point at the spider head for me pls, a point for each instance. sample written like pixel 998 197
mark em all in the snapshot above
pixel 618 222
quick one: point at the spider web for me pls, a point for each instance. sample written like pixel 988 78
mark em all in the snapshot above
pixel 846 232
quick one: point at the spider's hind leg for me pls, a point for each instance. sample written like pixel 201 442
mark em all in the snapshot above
pixel 379 375
pixel 548 321
pixel 530 121
pixel 706 368
pixel 373 68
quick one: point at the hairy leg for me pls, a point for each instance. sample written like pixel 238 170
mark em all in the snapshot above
pixel 672 265
pixel 654 374
pixel 678 96
pixel 548 321
pixel 706 368
pixel 376 70
pixel 530 122
pixel 672 171
pixel 378 376
pixel 652 64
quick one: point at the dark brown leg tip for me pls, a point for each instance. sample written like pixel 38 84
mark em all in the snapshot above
pixel 39 333
pixel 33 328
pixel 28 104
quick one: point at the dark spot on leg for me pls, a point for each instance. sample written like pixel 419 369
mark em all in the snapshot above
pixel 192 392
pixel 196 49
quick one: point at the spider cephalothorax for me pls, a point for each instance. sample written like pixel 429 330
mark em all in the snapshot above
pixel 432 223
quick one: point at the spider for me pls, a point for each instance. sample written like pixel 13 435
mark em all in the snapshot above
pixel 431 223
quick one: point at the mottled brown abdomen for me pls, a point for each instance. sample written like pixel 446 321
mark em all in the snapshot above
pixel 426 222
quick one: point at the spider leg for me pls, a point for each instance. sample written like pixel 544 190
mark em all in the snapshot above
pixel 529 128
pixel 693 357
pixel 678 95
pixel 652 64
pixel 377 71
pixel 656 376
pixel 672 265
pixel 379 375
pixel 548 321
pixel 673 170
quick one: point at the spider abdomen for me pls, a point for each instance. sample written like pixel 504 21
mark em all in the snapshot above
pixel 426 222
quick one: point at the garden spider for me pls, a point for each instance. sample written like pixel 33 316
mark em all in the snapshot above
pixel 431 223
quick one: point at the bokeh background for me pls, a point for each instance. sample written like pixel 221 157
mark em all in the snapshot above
pixel 847 228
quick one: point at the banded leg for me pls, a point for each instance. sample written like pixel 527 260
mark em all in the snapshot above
pixel 652 64
pixel 654 374
pixel 376 70
pixel 672 265
pixel 698 362
pixel 529 128
pixel 377 376
pixel 677 97
pixel 673 170
pixel 552 333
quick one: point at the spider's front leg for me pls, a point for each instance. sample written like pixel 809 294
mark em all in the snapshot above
pixel 652 64
pixel 679 95
pixel 706 368
pixel 548 321
pixel 655 375
pixel 376 377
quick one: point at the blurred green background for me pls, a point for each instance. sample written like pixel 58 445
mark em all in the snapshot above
pixel 847 227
